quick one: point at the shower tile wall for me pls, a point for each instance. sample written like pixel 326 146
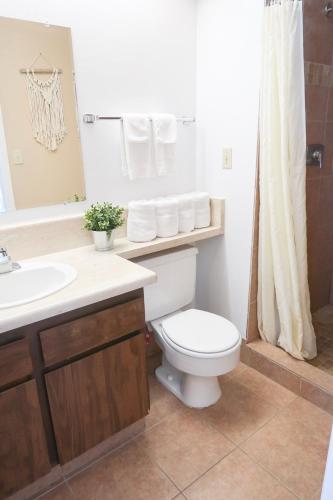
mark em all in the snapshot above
pixel 318 55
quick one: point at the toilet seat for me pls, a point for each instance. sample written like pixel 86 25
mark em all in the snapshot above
pixel 199 333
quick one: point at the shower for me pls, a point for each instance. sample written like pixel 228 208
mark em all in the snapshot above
pixel 318 55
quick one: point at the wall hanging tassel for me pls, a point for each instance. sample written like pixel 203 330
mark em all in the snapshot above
pixel 47 110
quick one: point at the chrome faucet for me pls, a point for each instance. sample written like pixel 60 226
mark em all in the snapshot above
pixel 328 9
pixel 6 264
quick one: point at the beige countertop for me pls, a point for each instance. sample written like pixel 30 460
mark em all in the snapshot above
pixel 101 275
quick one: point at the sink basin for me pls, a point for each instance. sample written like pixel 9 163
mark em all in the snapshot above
pixel 34 281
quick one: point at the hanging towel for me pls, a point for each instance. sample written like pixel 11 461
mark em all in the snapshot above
pixel 186 213
pixel 164 131
pixel 141 221
pixel 136 146
pixel 166 217
pixel 202 209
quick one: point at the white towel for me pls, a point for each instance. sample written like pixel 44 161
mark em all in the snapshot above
pixel 164 132
pixel 136 147
pixel 166 217
pixel 141 221
pixel 186 213
pixel 202 209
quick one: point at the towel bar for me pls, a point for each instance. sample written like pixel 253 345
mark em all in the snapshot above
pixel 90 118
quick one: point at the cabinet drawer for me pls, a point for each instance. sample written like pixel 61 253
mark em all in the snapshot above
pixel 76 337
pixel 15 362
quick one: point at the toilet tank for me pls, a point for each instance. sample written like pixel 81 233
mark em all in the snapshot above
pixel 175 286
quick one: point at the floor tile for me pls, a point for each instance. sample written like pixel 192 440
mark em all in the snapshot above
pixel 162 403
pixel 127 474
pixel 239 412
pixel 267 389
pixel 293 447
pixel 236 371
pixel 184 446
pixel 237 477
pixel 61 492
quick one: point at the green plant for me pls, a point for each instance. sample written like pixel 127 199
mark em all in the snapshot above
pixel 103 217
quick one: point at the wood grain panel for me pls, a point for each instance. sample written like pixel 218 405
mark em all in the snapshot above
pixel 126 376
pixel 79 406
pixel 76 337
pixel 23 451
pixel 95 397
pixel 15 362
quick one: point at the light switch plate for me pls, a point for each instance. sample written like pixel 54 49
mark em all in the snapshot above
pixel 227 158
pixel 17 157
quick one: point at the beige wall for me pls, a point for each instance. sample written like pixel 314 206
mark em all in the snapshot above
pixel 45 177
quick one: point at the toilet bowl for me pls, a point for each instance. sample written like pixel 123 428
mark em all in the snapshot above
pixel 197 346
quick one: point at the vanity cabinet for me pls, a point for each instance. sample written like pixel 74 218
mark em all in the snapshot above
pixel 67 383
pixel 97 396
pixel 23 451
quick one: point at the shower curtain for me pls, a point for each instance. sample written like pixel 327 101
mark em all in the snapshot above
pixel 284 316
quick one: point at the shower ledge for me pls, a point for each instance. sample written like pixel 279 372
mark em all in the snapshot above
pixel 298 376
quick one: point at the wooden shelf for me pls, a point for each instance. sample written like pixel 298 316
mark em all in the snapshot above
pixel 129 250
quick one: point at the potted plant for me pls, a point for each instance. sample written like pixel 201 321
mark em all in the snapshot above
pixel 101 219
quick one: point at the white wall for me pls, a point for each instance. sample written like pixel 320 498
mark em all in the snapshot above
pixel 150 55
pixel 129 55
pixel 228 73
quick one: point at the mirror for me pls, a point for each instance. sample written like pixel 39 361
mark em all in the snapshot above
pixel 40 149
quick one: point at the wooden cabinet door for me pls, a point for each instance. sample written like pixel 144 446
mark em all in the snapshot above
pixel 127 382
pixel 99 395
pixel 23 451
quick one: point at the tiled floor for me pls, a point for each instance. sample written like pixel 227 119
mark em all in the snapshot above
pixel 259 442
pixel 323 325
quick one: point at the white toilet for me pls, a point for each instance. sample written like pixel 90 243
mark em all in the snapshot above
pixel 197 346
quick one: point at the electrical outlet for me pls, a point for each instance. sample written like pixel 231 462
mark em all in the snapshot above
pixel 227 158
pixel 17 157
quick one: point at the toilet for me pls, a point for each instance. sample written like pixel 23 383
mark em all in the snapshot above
pixel 197 346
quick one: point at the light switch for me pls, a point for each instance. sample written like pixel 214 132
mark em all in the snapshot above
pixel 227 157
pixel 17 157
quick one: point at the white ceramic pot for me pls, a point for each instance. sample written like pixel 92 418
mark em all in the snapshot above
pixel 103 240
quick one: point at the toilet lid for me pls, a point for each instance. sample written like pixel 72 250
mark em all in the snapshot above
pixel 201 331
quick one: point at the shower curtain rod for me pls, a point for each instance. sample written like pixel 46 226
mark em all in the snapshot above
pixel 89 118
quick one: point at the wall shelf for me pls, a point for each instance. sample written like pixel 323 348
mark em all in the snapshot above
pixel 129 250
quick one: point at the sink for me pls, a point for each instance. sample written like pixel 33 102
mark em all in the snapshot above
pixel 34 281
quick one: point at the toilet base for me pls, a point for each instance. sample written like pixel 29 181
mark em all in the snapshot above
pixel 192 390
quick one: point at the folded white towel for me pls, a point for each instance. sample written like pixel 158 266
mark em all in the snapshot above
pixel 164 132
pixel 141 221
pixel 202 209
pixel 186 213
pixel 136 147
pixel 166 217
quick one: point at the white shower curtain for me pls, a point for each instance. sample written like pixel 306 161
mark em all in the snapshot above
pixel 284 316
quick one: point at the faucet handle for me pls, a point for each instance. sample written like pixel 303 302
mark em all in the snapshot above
pixel 3 252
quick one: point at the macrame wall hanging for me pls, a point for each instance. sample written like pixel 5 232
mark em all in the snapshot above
pixel 47 109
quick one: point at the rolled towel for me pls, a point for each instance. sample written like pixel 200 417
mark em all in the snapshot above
pixel 166 217
pixel 141 221
pixel 186 213
pixel 202 209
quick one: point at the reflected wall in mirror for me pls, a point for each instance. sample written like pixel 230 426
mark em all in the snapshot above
pixel 40 149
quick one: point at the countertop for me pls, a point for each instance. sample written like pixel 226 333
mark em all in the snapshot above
pixel 101 275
